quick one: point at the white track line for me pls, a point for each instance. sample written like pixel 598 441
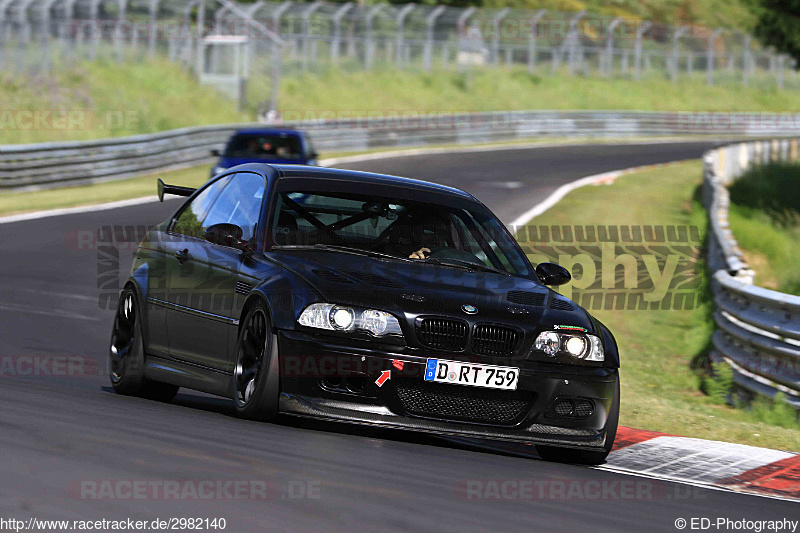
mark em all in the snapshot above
pixel 355 159
pixel 79 209
pixel 561 192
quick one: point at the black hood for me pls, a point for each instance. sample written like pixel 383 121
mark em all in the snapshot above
pixel 408 288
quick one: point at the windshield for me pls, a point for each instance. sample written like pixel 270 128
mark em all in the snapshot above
pixel 257 146
pixel 442 234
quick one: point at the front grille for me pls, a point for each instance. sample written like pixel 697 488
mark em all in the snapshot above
pixel 462 403
pixel 488 339
pixel 442 334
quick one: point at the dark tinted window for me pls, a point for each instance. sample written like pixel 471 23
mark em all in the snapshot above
pixel 239 203
pixel 400 227
pixel 253 146
pixel 189 221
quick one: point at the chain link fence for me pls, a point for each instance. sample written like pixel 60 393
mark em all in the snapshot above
pixel 318 36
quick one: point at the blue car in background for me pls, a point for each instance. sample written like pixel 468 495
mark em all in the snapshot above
pixel 265 145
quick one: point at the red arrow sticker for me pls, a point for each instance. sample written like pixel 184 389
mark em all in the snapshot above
pixel 385 376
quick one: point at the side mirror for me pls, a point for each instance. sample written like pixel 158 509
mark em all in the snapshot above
pixel 313 155
pixel 552 274
pixel 215 152
pixel 226 235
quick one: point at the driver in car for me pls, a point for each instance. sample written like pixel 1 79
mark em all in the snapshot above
pixel 438 238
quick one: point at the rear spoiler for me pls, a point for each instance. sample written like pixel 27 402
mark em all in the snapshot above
pixel 177 190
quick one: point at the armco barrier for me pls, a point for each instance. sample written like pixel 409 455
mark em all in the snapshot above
pixel 758 333
pixel 66 163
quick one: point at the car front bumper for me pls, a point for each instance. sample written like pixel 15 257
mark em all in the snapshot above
pixel 323 378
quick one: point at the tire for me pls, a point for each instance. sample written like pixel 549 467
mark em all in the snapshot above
pixel 256 384
pixel 586 457
pixel 126 354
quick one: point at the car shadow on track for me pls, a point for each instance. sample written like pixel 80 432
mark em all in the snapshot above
pixel 223 406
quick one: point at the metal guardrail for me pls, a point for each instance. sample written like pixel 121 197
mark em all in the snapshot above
pixel 758 333
pixel 68 163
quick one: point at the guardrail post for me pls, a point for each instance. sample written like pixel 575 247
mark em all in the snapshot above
pixel 607 65
pixel 568 45
pixel 307 31
pixel 369 46
pixel 430 21
pixel 24 21
pixel 69 6
pixel 637 51
pixel 153 29
pixel 119 30
pixel 44 11
pixel 674 69
pixel 710 56
pixel 532 40
pixel 400 20
pixel 277 13
pixel 337 31
pixel 496 34
pixel 747 61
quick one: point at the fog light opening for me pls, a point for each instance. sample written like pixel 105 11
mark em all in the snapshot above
pixel 356 384
pixel 332 382
pixel 584 408
pixel 564 408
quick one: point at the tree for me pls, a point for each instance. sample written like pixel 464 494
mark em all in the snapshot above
pixel 778 24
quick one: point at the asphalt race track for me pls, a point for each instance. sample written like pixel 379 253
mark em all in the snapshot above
pixel 61 434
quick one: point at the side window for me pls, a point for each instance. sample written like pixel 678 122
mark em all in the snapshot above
pixel 190 219
pixel 239 203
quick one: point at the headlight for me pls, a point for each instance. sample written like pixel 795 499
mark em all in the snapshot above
pixel 344 318
pixel 580 346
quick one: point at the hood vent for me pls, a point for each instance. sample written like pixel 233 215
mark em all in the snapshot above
pixel 561 305
pixel 332 276
pixel 526 298
pixel 375 279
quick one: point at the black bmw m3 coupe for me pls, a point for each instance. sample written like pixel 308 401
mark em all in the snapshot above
pixel 367 299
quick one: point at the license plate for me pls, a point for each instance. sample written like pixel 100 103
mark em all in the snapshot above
pixel 472 374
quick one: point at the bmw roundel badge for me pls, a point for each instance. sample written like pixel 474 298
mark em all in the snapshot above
pixel 469 309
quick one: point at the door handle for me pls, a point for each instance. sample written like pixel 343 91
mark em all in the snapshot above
pixel 182 255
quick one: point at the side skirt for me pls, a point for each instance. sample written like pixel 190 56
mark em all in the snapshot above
pixel 189 376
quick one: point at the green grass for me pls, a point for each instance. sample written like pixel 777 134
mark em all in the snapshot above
pixel 765 219
pixel 23 202
pixel 661 350
pixel 106 99
pixel 514 89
